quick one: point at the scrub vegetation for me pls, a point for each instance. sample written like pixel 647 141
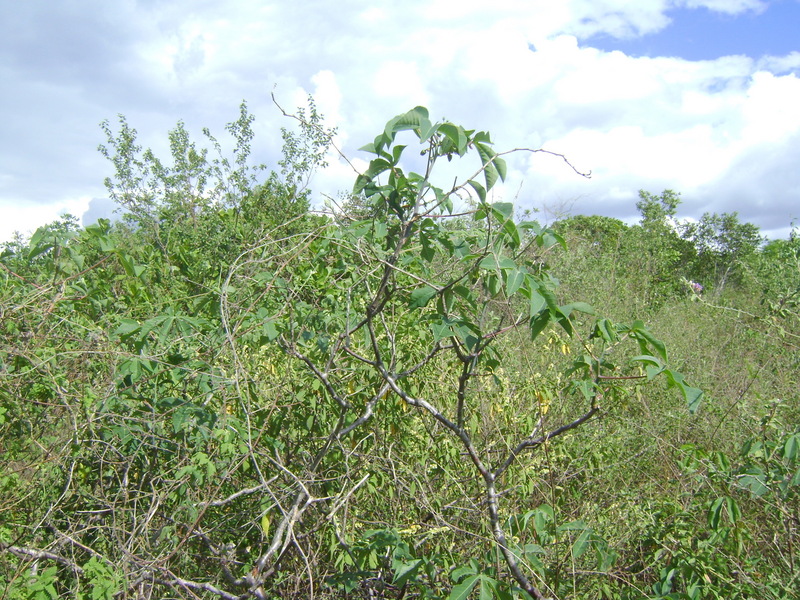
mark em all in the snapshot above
pixel 413 394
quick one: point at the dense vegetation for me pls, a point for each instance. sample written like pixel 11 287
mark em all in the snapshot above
pixel 228 395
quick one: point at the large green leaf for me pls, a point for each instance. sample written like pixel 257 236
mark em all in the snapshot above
pixel 692 395
pixel 456 135
pixel 514 280
pixel 539 322
pixel 644 336
pixel 537 301
pixel 416 118
pixel 487 155
pixel 463 589
pixel 481 191
pixel 421 296
pixel 791 447
pixel 502 210
pixel 502 168
pixel 405 571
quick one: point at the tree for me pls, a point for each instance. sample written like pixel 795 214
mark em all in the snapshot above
pixel 722 243
pixel 658 212
pixel 204 207
pixel 605 233
pixel 399 315
pixel 655 246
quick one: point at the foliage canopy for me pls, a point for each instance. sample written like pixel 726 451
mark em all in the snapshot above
pixel 227 396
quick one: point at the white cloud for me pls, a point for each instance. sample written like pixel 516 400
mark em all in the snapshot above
pixel 730 7
pixel 770 108
pixel 514 68
pixel 25 218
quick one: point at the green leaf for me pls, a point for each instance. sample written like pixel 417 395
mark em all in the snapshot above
pixel 647 359
pixel 792 447
pixel 587 387
pixel 734 512
pixel 543 518
pixel 507 264
pixel 492 283
pixel 692 395
pixel 465 293
pixel 572 526
pixel 578 306
pixel 397 152
pixel 442 329
pixel 482 137
pixel 715 513
pixel 514 281
pixel 531 225
pixel 270 330
pixel 510 229
pixel 605 330
pixel 537 301
pixel 503 210
pixel 416 118
pixel 753 480
pixel 502 168
pixel 455 134
pixel 481 191
pixel 538 322
pixel 376 167
pixel 489 263
pixel 369 148
pixel 653 371
pixel 643 334
pixel 421 296
pixel 582 542
pixel 126 327
pixel 463 589
pixel 489 171
pixel 487 588
pixel 550 300
pixel 131 268
pixel 405 571
pixel 795 480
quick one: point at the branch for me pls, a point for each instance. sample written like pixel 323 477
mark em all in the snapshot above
pixel 235 495
pixel 531 442
pixel 587 175
pixel 35 554
pixel 195 585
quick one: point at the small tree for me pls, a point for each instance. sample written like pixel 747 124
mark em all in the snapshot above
pixel 722 244
pixel 400 314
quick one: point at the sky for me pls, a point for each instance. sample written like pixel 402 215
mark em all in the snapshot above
pixel 698 96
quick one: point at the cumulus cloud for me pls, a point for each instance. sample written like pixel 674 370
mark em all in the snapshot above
pixel 723 132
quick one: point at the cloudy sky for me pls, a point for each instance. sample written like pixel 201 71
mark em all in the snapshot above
pixel 698 96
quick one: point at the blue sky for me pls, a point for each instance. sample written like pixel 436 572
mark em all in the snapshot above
pixel 697 96
pixel 704 34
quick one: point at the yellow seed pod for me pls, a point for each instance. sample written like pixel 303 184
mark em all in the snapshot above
pixel 544 402
pixel 265 520
pixel 565 349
